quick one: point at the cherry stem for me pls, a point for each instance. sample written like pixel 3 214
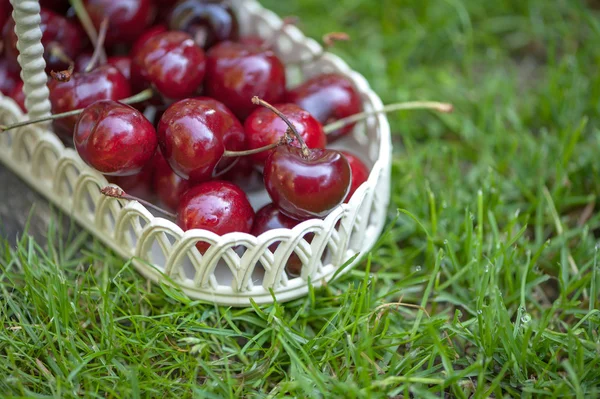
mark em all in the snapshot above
pixel 57 51
pixel 99 47
pixel 287 21
pixel 256 100
pixel 116 192
pixel 284 140
pixel 200 35
pixel 137 98
pixel 87 23
pixel 432 105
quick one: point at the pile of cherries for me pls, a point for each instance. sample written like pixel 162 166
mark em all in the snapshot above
pixel 216 115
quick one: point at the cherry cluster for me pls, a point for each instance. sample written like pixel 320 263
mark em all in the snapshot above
pixel 216 111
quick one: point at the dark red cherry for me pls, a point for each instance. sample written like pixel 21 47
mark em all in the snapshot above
pixel 236 72
pixel 269 217
pixel 82 61
pixel 171 62
pixel 8 77
pixel 217 206
pixel 168 185
pixel 122 63
pixel 207 21
pixel 138 185
pixel 328 97
pixel 57 31
pixel 263 127
pixel 103 83
pixel 193 135
pixel 5 12
pixel 127 18
pixel 307 187
pixel 114 138
pixel 360 172
pixel 59 6
pixel 18 95
pixel 147 34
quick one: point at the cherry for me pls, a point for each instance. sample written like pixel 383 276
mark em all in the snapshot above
pixel 114 138
pixel 208 21
pixel 264 127
pixel 5 12
pixel 18 95
pixel 235 72
pixel 59 6
pixel 122 63
pixel 328 97
pixel 127 18
pixel 103 83
pixel 60 38
pixel 82 61
pixel 147 34
pixel 217 206
pixel 168 185
pixel 8 77
pixel 140 184
pixel 360 172
pixel 269 217
pixel 307 185
pixel 171 62
pixel 193 135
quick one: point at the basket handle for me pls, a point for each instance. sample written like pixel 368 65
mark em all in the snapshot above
pixel 26 14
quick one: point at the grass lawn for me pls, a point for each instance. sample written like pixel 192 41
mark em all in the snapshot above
pixel 486 283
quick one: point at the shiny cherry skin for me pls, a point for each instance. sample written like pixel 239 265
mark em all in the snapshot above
pixel 269 217
pixel 138 185
pixel 147 34
pixel 56 31
pixel 8 77
pixel 103 83
pixel 121 62
pixel 328 97
pixel 263 127
pixel 210 21
pixel 217 206
pixel 307 187
pixel 193 135
pixel 171 62
pixel 127 18
pixel 235 72
pixel 168 185
pixel 18 95
pixel 114 138
pixel 360 172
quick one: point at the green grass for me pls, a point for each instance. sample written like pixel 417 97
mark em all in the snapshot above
pixel 485 285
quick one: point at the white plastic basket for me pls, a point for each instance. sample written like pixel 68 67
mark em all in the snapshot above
pixel 237 266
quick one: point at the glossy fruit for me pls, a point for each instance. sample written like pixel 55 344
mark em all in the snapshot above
pixel 269 217
pixel 307 187
pixel 328 97
pixel 82 61
pixel 360 172
pixel 57 31
pixel 193 135
pixel 236 72
pixel 139 184
pixel 171 62
pixel 103 83
pixel 8 77
pixel 217 206
pixel 168 185
pixel 263 127
pixel 59 6
pixel 5 12
pixel 18 95
pixel 208 21
pixel 127 18
pixel 122 63
pixel 147 34
pixel 114 138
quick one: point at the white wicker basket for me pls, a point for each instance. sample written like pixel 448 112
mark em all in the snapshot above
pixel 238 266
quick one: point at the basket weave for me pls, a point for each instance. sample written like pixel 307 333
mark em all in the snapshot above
pixel 237 266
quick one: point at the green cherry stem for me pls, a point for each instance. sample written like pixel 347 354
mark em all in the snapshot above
pixel 432 105
pixel 284 140
pixel 137 98
pixel 99 49
pixel 116 192
pixel 87 24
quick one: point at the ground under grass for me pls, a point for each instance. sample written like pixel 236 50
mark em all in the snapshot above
pixel 485 285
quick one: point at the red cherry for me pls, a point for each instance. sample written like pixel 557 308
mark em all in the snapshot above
pixel 328 97
pixel 171 62
pixel 269 217
pixel 122 63
pixel 167 184
pixel 236 72
pixel 138 185
pixel 127 18
pixel 147 34
pixel 263 127
pixel 217 206
pixel 360 173
pixel 18 95
pixel 210 21
pixel 8 77
pixel 309 186
pixel 114 138
pixel 82 61
pixel 193 135
pixel 103 83
pixel 57 31
pixel 59 6
pixel 5 12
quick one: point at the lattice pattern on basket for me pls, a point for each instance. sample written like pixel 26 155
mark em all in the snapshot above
pixel 237 266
